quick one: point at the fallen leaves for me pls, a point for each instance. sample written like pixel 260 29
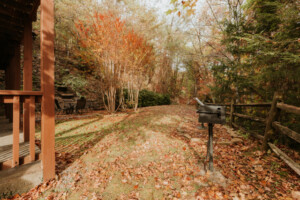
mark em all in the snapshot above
pixel 142 160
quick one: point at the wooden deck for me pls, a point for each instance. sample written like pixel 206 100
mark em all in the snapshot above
pixel 6 155
pixel 6 147
pixel 16 95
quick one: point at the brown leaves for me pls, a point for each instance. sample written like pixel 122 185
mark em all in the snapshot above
pixel 164 165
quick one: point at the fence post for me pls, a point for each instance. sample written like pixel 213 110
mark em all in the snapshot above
pixel 231 113
pixel 272 116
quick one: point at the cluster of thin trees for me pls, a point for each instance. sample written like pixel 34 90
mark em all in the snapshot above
pixel 119 57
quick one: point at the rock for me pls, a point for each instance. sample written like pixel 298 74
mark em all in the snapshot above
pixel 296 195
pixel 201 173
pixel 217 177
pixel 225 143
pixel 232 133
pixel 195 140
pixel 180 131
pixel 236 140
pixel 187 136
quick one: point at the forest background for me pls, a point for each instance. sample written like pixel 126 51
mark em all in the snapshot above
pixel 221 50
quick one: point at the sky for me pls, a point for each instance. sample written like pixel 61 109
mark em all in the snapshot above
pixel 162 6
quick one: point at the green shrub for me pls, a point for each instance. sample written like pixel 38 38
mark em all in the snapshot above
pixel 146 98
pixel 149 98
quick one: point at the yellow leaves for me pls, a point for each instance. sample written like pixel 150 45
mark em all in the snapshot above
pixel 191 12
pixel 179 5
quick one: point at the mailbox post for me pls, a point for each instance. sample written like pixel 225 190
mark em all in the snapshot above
pixel 211 114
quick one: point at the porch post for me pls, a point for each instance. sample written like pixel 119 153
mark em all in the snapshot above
pixel 47 86
pixel 13 78
pixel 27 74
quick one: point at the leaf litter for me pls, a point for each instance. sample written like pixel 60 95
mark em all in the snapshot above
pixel 145 155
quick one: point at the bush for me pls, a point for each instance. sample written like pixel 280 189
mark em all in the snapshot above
pixel 146 98
pixel 149 98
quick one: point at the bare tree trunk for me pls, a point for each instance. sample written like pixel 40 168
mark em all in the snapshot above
pixel 136 102
pixel 110 98
pixel 121 99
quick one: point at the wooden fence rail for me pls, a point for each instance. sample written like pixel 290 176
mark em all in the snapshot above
pixel 289 108
pixel 271 124
pixel 286 131
pixel 252 118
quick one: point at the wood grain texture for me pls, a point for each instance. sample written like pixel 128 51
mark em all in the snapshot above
pixel 289 108
pixel 285 158
pixel 16 130
pixel 32 128
pixel 286 131
pixel 27 74
pixel 47 85
pixel 252 118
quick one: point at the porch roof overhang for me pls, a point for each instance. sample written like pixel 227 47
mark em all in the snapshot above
pixel 13 14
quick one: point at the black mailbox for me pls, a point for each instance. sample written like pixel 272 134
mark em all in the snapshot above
pixel 212 114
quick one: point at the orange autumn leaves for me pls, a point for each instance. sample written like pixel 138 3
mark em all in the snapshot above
pixel 119 57
pixel 106 38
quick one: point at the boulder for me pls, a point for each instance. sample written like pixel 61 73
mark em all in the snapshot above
pixel 187 136
pixel 236 141
pixel 196 140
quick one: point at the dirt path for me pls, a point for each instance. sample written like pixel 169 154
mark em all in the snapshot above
pixel 158 153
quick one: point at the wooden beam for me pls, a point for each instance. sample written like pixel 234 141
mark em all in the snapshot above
pixel 252 118
pixel 243 104
pixel 218 104
pixel 289 108
pixel 286 131
pixel 253 104
pixel 259 137
pixel 285 158
pixel 20 93
pixel 7 99
pixel 27 74
pixel 47 85
pixel 16 131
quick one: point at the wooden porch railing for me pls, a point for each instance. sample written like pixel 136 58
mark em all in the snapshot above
pixel 270 123
pixel 16 98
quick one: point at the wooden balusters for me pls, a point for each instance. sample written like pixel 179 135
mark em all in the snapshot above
pixel 16 130
pixel 32 128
